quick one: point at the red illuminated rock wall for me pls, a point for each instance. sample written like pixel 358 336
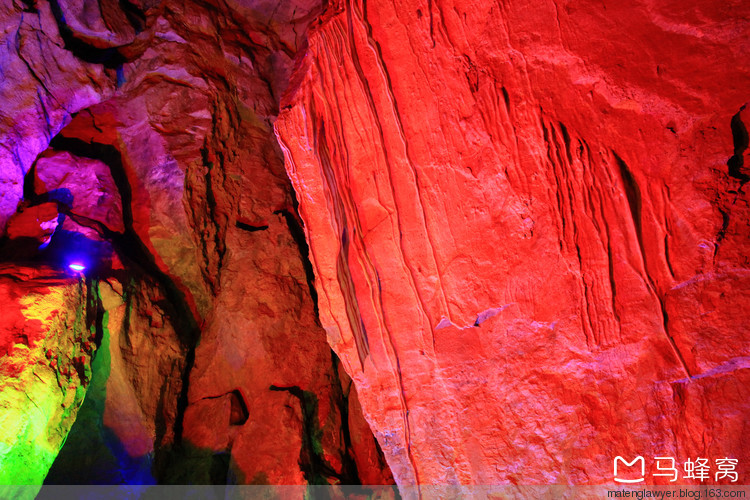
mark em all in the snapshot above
pixel 521 226
pixel 529 227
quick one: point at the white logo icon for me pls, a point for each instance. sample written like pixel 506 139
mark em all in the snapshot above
pixel 630 464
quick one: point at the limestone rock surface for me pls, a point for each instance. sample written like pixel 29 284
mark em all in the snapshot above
pixel 84 186
pixel 36 223
pixel 212 367
pixel 46 347
pixel 522 226
pixel 43 81
pixel 528 224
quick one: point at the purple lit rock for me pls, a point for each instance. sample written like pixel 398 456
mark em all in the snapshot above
pixel 41 85
pixel 99 24
pixel 84 184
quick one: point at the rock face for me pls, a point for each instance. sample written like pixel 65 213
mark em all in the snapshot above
pixel 84 186
pixel 46 347
pixel 522 227
pixel 169 189
pixel 43 82
pixel 528 224
pixel 34 225
pixel 132 401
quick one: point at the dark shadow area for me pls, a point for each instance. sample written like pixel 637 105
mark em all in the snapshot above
pixel 341 395
pixel 190 464
pixel 741 141
pixel 238 413
pixel 297 231
pixel 250 228
pixel 65 249
pixel 70 247
pixel 312 462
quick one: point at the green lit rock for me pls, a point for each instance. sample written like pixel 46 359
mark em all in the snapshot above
pixel 45 366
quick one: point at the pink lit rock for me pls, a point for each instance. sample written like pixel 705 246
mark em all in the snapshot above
pixel 86 183
pixel 101 24
pixel 42 84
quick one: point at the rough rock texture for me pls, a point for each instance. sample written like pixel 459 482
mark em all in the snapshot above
pixel 528 224
pixel 527 230
pixel 171 190
pixel 46 347
pixel 33 224
pixel 85 187
pixel 43 82
pixel 131 403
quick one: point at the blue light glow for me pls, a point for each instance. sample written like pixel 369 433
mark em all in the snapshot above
pixel 75 266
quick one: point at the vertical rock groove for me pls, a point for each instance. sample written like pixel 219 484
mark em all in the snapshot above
pixel 490 160
pixel 324 242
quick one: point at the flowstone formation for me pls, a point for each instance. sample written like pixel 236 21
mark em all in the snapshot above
pixel 521 226
pixel 528 223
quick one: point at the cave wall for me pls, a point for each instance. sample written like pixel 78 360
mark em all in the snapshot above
pixel 139 144
pixel 46 347
pixel 529 227
pixel 521 226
